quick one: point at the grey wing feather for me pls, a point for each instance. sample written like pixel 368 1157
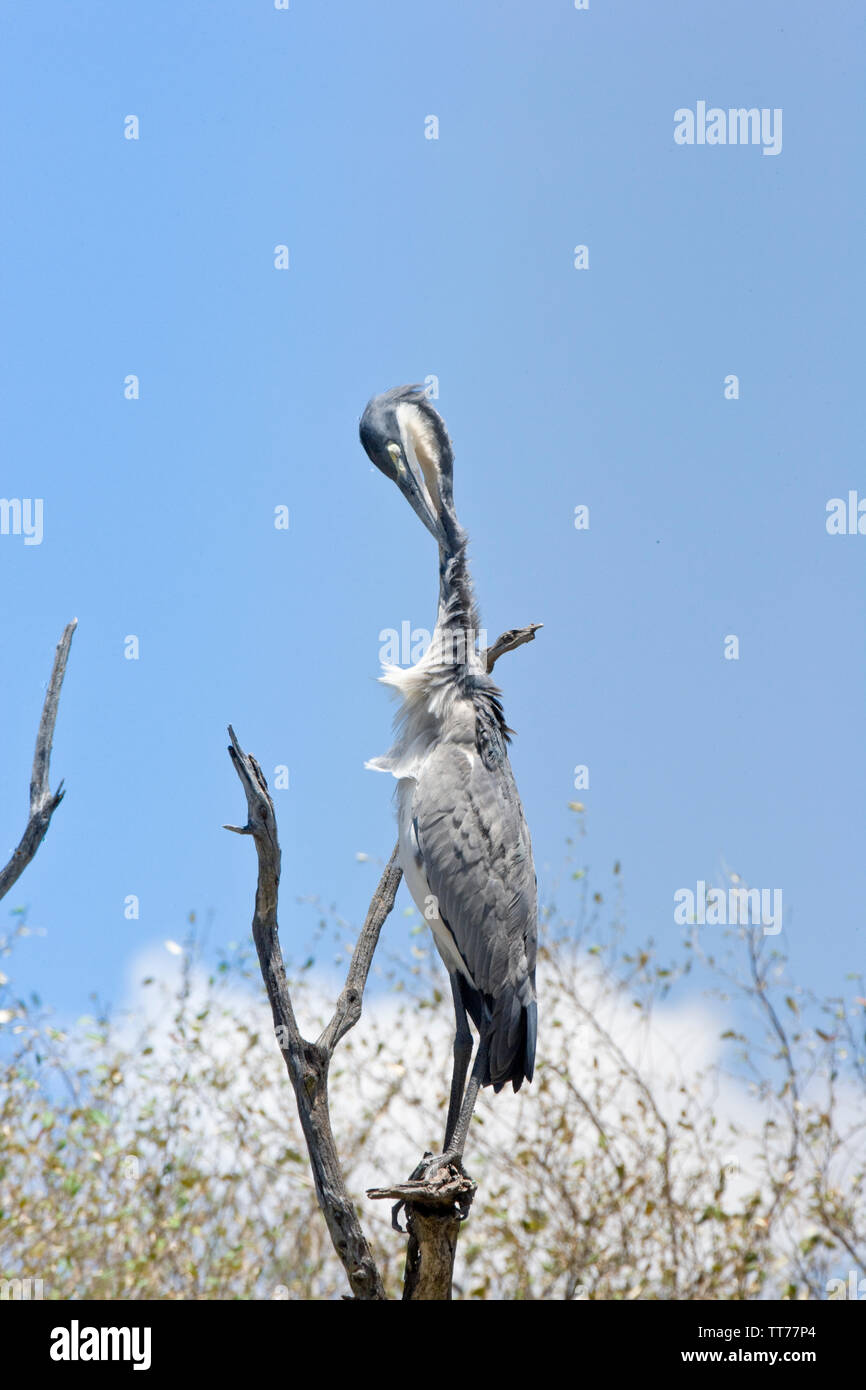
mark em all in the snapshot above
pixel 477 858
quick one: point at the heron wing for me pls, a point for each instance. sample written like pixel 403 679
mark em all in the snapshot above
pixel 477 856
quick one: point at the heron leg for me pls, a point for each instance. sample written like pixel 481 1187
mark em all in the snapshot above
pixel 454 1149
pixel 455 1140
pixel 462 1053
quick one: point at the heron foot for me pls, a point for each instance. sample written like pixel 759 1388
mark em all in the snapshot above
pixel 430 1182
pixel 438 1167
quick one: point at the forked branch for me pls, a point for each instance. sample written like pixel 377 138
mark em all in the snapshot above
pixel 307 1062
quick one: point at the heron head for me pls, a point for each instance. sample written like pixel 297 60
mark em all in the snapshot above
pixel 406 438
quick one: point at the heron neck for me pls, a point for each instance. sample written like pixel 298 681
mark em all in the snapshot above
pixel 458 614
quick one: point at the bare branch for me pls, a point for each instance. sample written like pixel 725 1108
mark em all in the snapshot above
pixel 514 637
pixel 307 1063
pixel 453 1188
pixel 42 803
pixel 348 1009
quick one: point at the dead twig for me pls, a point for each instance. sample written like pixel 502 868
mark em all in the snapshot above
pixel 514 637
pixel 43 803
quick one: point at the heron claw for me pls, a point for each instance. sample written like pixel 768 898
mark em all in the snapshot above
pixel 416 1175
pixel 431 1164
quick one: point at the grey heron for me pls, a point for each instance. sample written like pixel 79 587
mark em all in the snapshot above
pixel 464 845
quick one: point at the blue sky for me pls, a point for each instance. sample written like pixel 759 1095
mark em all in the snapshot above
pixel 411 257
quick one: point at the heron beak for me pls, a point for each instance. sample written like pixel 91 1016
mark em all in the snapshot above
pixel 411 482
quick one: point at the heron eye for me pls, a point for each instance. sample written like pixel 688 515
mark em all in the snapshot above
pixel 396 457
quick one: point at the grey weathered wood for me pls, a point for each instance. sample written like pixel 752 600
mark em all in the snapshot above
pixel 430 1254
pixel 308 1062
pixel 43 803
pixel 508 642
